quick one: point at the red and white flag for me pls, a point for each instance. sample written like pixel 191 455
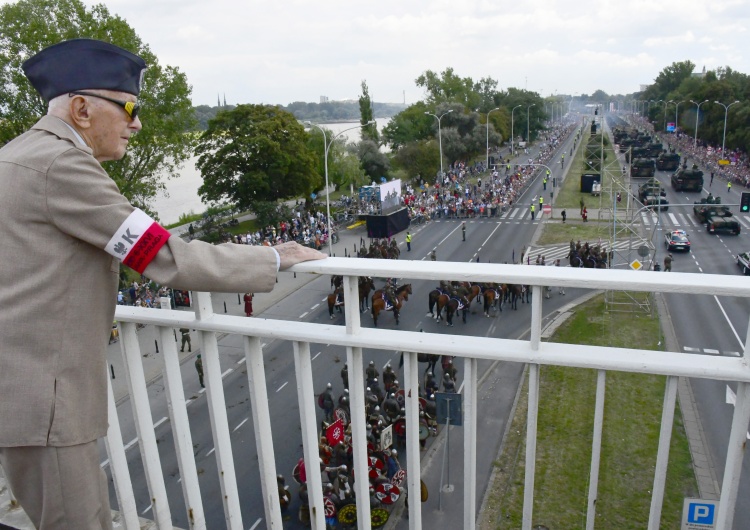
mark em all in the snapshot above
pixel 335 433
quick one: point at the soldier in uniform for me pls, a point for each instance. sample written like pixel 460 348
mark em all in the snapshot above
pixel 668 263
pixel 430 385
pixel 371 373
pixel 448 384
pixel 389 376
pixel 326 403
pixel 345 376
pixel 199 369
pixel 185 332
pixel 450 370
pixel 433 256
pixel 389 293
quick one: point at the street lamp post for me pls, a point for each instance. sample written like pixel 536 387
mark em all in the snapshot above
pixel 487 164
pixel 440 137
pixel 664 127
pixel 528 139
pixel 726 113
pixel 697 115
pixel 512 137
pixel 326 146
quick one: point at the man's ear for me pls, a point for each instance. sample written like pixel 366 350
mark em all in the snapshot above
pixel 80 111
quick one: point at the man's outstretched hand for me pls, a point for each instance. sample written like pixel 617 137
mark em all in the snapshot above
pixel 292 253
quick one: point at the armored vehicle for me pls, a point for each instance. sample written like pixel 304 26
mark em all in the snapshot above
pixel 642 168
pixel 667 161
pixel 687 179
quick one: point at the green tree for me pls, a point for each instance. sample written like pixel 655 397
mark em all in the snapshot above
pixel 369 132
pixel 255 153
pixel 372 160
pixel 447 87
pixel 409 125
pixel 418 159
pixel 159 150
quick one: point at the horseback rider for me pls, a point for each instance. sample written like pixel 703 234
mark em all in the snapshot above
pixel 445 286
pixel 389 292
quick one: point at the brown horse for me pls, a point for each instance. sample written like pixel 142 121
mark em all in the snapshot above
pixel 335 300
pixel 454 305
pixel 474 290
pixel 432 301
pixel 365 286
pixel 491 296
pixel 378 304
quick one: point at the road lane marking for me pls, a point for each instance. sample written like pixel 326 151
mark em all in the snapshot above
pixel 282 386
pixel 240 425
pixel 160 422
pixel 729 322
pixel 316 355
pixel 130 444
pixel 104 464
pixel 229 371
pixel 255 525
pixel 711 351
pixel 731 399
pixel 147 509
pixel 313 307
pixel 241 361
pixel 688 348
pixel 211 451
pixel 303 315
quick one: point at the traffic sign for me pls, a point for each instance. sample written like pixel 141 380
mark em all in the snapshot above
pixel 448 403
pixel 699 514
pixel 644 251
pixel 636 265
pixel 724 162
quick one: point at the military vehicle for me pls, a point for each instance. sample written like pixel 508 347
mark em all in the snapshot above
pixel 667 161
pixel 642 168
pixel 718 218
pixel 635 152
pixel 651 193
pixel 685 179
pixel 653 149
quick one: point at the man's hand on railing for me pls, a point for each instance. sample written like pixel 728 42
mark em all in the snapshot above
pixel 291 253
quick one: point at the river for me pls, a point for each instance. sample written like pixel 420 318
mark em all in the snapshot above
pixel 181 196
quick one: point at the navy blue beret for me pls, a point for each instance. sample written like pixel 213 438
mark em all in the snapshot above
pixel 81 64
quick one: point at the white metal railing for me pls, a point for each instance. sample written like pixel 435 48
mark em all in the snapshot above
pixel 354 338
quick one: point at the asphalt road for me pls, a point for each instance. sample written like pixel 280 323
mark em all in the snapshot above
pixel 489 240
pixel 708 325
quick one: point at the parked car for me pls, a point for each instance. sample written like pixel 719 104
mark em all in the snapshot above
pixel 677 240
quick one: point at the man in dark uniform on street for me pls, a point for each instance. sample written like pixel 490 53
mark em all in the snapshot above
pixel 199 369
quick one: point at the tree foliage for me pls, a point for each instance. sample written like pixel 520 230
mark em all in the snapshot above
pixel 373 161
pixel 368 132
pixel 417 159
pixel 28 26
pixel 255 153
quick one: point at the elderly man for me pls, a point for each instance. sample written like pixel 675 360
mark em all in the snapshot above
pixel 66 229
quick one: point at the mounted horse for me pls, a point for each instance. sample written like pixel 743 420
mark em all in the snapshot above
pixel 336 281
pixel 335 300
pixel 365 286
pixel 430 358
pixel 512 293
pixel 454 305
pixel 473 290
pixel 493 294
pixel 378 303
pixel 432 300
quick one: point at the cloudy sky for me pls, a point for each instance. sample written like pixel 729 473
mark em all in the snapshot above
pixel 291 50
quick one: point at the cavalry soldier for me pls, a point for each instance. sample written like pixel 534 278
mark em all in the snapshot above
pixel 389 293
pixel 371 373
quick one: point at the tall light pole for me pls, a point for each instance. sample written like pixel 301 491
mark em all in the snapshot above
pixel 697 115
pixel 440 137
pixel 512 137
pixel 487 164
pixel 326 146
pixel 528 109
pixel 726 112
pixel 665 113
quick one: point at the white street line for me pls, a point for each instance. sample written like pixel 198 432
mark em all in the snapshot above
pixel 712 352
pixel 729 322
pixel 131 444
pixel 282 386
pixel 733 353
pixel 255 525
pixel 211 451
pixel 201 391
pixel 313 307
pixel 104 464
pixel 160 422
pixel 147 509
pixel 227 372
pixel 188 402
pixel 688 348
pixel 240 425
pixel 316 355
pixel 303 315
pixel 241 361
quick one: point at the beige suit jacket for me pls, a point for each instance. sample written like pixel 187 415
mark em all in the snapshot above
pixel 58 286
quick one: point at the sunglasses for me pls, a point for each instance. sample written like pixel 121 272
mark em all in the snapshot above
pixel 130 108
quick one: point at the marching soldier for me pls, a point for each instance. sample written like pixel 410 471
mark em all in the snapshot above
pixel 450 370
pixel 371 373
pixel 389 376
pixel 345 376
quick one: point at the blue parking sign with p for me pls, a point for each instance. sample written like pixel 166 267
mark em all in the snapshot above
pixel 699 514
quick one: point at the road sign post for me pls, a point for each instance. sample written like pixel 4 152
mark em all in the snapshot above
pixel 699 514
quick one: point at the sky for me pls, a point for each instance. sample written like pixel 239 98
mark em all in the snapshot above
pixel 278 52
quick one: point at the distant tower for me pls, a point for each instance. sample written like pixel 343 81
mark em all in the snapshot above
pixel 404 97
pixel 225 100
pixel 218 100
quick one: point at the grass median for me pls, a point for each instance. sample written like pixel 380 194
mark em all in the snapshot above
pixel 632 419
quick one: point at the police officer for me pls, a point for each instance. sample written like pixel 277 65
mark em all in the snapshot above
pixel 463 231
pixel 408 241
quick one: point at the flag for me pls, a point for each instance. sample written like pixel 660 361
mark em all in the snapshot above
pixel 335 433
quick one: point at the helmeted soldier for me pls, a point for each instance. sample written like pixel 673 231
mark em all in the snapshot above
pixel 344 400
pixel 448 384
pixel 391 407
pixel 450 370
pixel 345 375
pixel 389 293
pixel 371 373
pixel 430 407
pixel 389 376
pixel 375 387
pixel 431 386
pixel 326 402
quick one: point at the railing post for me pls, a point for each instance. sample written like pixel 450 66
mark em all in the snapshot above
pixel 662 455
pixel 359 435
pixel 118 464
pixel 531 429
pixel 183 440
pixel 413 475
pixel 218 413
pixel 144 424
pixel 256 376
pixel 596 449
pixel 306 400
pixel 470 442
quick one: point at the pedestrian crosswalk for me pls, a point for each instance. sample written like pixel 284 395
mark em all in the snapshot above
pixel 683 221
pixel 552 253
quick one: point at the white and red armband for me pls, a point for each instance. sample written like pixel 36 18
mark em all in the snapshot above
pixel 137 241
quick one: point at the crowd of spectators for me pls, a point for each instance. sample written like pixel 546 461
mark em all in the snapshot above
pixel 706 156
pixel 456 195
